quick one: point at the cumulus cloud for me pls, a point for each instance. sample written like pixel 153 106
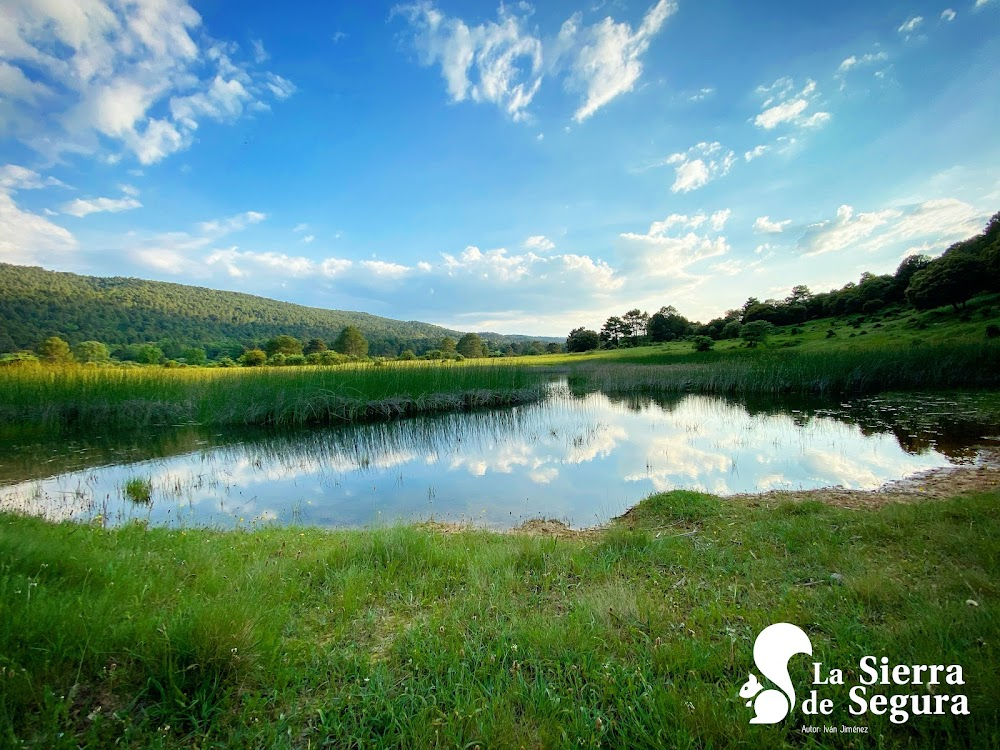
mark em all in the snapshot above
pixel 910 25
pixel 497 62
pixel 679 241
pixel 699 165
pixel 756 152
pixel 929 226
pixel 502 62
pixel 94 72
pixel 785 104
pixel 539 242
pixel 764 225
pixel 948 14
pixel 27 237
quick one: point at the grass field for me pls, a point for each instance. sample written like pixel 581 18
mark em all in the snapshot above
pixel 905 350
pixel 638 636
pixel 112 396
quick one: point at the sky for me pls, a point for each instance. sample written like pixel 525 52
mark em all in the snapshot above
pixel 510 167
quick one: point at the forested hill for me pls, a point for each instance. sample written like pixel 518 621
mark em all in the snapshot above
pixel 36 304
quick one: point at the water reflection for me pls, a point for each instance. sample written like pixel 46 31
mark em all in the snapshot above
pixel 581 457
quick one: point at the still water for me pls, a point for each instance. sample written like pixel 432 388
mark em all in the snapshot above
pixel 578 457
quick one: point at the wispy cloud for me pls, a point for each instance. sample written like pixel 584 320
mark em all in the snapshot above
pixel 699 165
pixel 502 62
pixel 786 104
pixel 81 207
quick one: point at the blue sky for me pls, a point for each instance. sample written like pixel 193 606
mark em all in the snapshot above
pixel 515 168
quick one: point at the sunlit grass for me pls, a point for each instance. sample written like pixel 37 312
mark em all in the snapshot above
pixel 75 395
pixel 639 636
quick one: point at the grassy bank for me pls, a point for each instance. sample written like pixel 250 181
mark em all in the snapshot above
pixel 776 371
pixel 119 397
pixel 638 636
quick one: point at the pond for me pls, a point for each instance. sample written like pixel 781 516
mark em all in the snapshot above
pixel 579 457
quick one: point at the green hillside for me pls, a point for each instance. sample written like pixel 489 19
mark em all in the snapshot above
pixel 36 303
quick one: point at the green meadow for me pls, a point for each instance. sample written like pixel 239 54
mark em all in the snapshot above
pixel 636 636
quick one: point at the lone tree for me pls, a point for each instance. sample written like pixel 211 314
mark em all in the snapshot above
pixel 283 344
pixel 470 345
pixel 91 351
pixel 447 346
pixel 756 332
pixel 55 351
pixel 582 340
pixel 351 342
pixel 253 358
pixel 950 280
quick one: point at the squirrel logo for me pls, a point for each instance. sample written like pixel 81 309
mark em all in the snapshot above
pixel 772 651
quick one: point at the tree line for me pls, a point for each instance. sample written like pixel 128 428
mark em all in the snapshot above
pixel 150 321
pixel 964 270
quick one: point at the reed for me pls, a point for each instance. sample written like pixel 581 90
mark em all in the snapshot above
pixel 124 397
pixel 838 371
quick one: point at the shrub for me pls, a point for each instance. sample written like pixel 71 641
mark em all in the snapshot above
pixel 703 343
pixel 831 333
pixel 992 331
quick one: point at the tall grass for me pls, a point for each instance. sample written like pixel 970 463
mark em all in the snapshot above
pixel 639 636
pixel 75 395
pixel 776 371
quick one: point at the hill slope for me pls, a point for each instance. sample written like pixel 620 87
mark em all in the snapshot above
pixel 36 303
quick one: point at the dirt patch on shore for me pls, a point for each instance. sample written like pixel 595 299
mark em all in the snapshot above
pixel 936 484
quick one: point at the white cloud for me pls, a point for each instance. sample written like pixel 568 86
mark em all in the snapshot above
pixel 607 62
pixel 502 62
pixel 756 152
pixel 25 237
pixel 308 238
pixel 910 25
pixel 81 208
pixel 731 267
pixel 239 222
pixel 259 53
pixel 764 225
pixel 948 14
pixel 844 231
pixel 298 228
pixel 14 177
pixel 701 94
pixel 867 59
pixel 932 224
pixel 719 218
pixel 982 3
pixel 539 242
pixel 665 251
pixel 784 104
pixel 386 270
pixel 505 61
pixel 699 165
pixel 92 72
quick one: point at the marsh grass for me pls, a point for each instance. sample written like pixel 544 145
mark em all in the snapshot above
pixel 639 636
pixel 287 396
pixel 780 371
pixel 138 490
